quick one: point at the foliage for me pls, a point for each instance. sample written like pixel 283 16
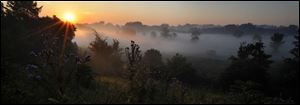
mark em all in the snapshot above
pixel 23 10
pixel 251 64
pixel 276 41
pixel 291 71
pixel 153 60
pixel 180 69
pixel 195 32
pixel 277 37
pixel 165 32
pixel 136 75
pixel 106 58
pixel 40 53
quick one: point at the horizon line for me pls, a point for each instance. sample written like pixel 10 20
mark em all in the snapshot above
pixel 106 22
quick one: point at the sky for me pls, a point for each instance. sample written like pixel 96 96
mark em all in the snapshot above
pixel 177 12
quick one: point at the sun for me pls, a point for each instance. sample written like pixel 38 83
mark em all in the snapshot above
pixel 69 17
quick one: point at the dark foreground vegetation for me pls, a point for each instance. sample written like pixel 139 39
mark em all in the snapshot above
pixel 41 64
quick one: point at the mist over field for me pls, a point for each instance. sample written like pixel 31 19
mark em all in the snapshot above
pixel 209 53
pixel 223 44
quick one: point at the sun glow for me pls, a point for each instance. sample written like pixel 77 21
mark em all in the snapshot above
pixel 69 17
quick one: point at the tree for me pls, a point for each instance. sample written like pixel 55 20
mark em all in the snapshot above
pixel 276 41
pixel 251 64
pixel 21 16
pixel 134 57
pixel 138 75
pixel 23 10
pixel 56 49
pixel 180 69
pixel 195 34
pixel 44 43
pixel 231 28
pixel 291 72
pixel 247 27
pixel 153 60
pixel 137 25
pixel 152 57
pixel 39 56
pixel 106 58
pixel 165 31
pixel 134 24
pixel 277 37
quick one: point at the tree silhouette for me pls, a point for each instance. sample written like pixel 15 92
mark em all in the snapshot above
pixel 21 16
pixel 107 58
pixel 276 41
pixel 180 69
pixel 291 72
pixel 137 25
pixel 44 43
pixel 133 55
pixel 165 31
pixel 195 34
pixel 138 74
pixel 231 28
pixel 248 28
pixel 251 64
pixel 153 60
pixel 23 10
pixel 152 57
pixel 295 51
